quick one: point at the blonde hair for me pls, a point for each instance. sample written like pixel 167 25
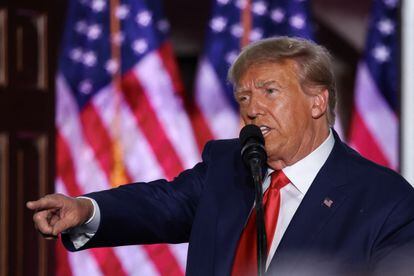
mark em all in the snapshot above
pixel 314 63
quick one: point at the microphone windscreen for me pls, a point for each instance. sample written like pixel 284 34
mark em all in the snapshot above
pixel 249 132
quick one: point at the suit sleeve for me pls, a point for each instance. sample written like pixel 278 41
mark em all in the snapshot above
pixel 145 213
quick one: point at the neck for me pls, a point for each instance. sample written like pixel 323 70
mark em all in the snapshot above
pixel 310 143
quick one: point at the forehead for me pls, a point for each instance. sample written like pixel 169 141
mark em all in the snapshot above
pixel 280 72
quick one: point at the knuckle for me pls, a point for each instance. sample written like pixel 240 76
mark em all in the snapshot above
pixel 43 229
pixel 37 217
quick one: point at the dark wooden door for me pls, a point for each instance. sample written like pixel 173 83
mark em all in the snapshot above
pixel 29 38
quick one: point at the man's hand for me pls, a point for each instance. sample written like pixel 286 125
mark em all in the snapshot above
pixel 55 213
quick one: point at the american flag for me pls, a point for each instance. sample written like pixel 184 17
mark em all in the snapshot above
pixel 119 119
pixel 234 23
pixel 374 126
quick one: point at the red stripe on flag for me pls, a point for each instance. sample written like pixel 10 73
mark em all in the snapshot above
pixel 365 142
pixel 62 263
pixel 65 168
pixel 108 262
pixel 151 126
pixel 97 137
pixel 165 154
pixel 164 260
pixel 105 257
pixel 167 56
pixel 202 131
pixel 99 140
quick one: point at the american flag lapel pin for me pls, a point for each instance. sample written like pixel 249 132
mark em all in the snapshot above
pixel 328 202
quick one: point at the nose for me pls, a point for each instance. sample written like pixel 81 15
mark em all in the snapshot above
pixel 253 109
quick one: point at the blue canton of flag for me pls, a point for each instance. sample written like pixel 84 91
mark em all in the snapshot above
pixel 86 60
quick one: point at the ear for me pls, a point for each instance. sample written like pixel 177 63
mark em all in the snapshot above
pixel 319 103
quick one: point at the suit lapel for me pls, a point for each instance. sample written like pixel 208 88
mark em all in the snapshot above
pixel 235 206
pixel 324 197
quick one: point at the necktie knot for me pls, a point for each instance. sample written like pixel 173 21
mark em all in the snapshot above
pixel 278 180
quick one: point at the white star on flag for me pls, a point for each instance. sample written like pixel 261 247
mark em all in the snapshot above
pixel 144 18
pixel 256 34
pixel 223 2
pixel 231 56
pixel 391 3
pixel 259 8
pixel 241 4
pixel 297 21
pixel 140 46
pixel 98 5
pixel 122 12
pixel 111 66
pixel 218 24
pixel 381 53
pixel 81 27
pixel 94 32
pixel 386 26
pixel 278 15
pixel 236 30
pixel 89 59
pixel 85 86
pixel 76 54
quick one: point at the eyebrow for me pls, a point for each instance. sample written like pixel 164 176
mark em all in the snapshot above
pixel 261 84
pixel 258 84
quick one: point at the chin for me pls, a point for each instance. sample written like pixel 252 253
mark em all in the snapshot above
pixel 276 165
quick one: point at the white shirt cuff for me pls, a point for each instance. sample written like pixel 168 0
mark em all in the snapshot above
pixel 80 235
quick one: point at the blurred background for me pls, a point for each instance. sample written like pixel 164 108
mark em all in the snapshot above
pixel 99 93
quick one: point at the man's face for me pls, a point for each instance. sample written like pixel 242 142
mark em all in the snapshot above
pixel 271 97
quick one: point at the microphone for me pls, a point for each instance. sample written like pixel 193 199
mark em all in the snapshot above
pixel 253 152
pixel 254 156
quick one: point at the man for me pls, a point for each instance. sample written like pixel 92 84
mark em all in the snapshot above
pixel 336 212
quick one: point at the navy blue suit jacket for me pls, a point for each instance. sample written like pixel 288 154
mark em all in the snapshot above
pixel 370 221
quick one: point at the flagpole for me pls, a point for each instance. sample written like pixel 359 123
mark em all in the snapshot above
pixel 117 174
pixel 407 93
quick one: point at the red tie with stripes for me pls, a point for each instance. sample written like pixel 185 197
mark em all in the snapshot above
pixel 245 261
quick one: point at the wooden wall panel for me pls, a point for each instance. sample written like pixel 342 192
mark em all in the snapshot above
pixel 30 36
pixel 3 47
pixel 4 202
pixel 29 254
pixel 27 68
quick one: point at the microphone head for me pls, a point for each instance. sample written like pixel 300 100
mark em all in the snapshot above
pixel 249 132
pixel 252 142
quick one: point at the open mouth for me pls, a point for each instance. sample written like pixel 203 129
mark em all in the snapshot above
pixel 265 130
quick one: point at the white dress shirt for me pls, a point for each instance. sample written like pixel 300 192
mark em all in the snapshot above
pixel 301 174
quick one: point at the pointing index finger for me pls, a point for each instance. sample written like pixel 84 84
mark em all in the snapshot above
pixel 44 203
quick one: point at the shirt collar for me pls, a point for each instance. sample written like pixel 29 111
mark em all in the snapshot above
pixel 302 173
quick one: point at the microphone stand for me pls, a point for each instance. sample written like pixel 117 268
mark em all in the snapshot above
pixel 256 170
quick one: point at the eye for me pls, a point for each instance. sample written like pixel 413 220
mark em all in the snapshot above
pixel 270 90
pixel 241 99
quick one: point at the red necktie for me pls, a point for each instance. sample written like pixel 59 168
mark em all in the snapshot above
pixel 245 261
